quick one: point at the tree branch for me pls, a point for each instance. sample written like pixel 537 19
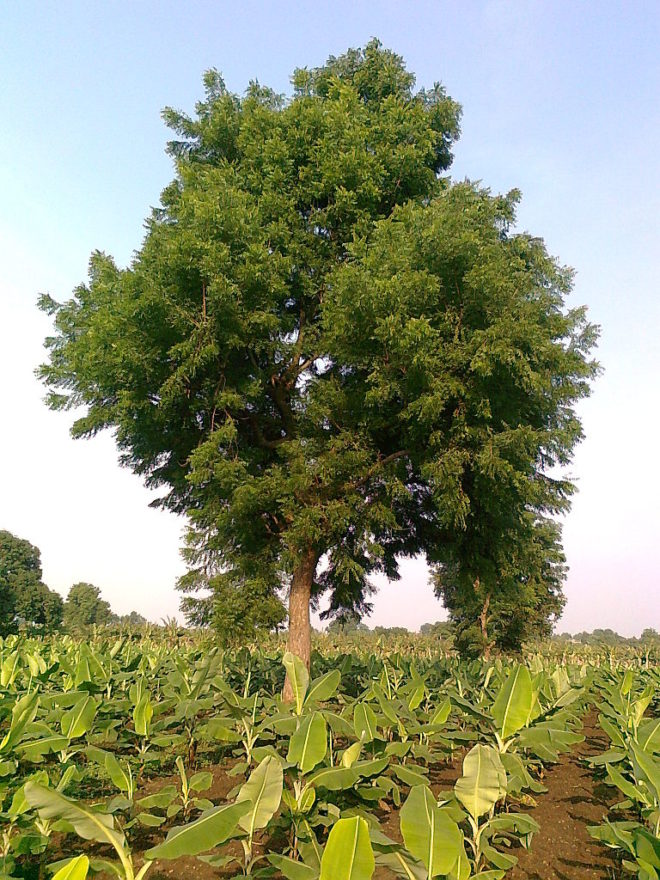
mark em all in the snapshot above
pixel 381 463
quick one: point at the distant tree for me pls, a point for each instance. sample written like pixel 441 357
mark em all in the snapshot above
pixel 601 637
pixel 442 629
pixel 84 607
pixel 346 623
pixel 650 635
pixel 133 619
pixel 24 598
pixel 241 612
pixel 503 586
pixel 392 631
pixel 236 611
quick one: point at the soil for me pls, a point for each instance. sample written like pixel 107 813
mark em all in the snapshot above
pixel 563 849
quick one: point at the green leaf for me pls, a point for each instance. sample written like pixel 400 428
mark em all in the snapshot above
pixel 292 870
pixel 640 705
pixel 348 854
pixel 340 778
pixel 441 714
pixel 87 823
pixel 149 820
pixel 7 768
pixel 351 754
pixel 323 688
pixel 648 735
pixel 615 735
pixel 513 707
pixel 402 864
pixel 298 676
pixel 483 781
pixel 625 786
pixel 428 832
pixel 21 715
pixel 33 750
pixel 201 781
pixel 211 829
pixel 142 715
pixel 627 682
pixel 78 720
pixel 76 870
pixel 364 722
pixel 521 823
pixel 160 800
pixel 309 743
pixel 409 775
pixel 648 768
pixel 119 776
pixel 263 791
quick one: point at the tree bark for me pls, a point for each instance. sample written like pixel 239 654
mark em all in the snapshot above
pixel 300 633
pixel 483 623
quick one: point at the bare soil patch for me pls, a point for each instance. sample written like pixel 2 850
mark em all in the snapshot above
pixel 563 849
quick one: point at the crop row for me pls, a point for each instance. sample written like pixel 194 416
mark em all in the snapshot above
pixel 631 765
pixel 101 747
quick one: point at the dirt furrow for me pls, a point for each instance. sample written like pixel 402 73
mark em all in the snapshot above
pixel 563 849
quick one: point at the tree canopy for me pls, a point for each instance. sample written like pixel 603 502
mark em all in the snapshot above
pixel 325 350
pixel 84 608
pixel 24 598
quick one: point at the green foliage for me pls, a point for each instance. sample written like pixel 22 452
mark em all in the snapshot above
pixel 82 723
pixel 347 622
pixel 24 598
pixel 326 349
pixel 348 854
pixel 77 869
pixel 441 628
pixel 220 376
pixel 84 608
pixel 133 619
pixel 211 829
pixel 521 587
pixel 429 833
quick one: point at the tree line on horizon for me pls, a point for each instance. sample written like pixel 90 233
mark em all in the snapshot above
pixel 26 601
pixel 446 630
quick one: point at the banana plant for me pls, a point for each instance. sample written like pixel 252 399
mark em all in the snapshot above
pixel 482 784
pixel 641 847
pixel 213 827
pixel 348 855
pixel 143 713
pixel 259 798
pixel 88 823
pixel 23 713
pixel 75 869
pixel 431 836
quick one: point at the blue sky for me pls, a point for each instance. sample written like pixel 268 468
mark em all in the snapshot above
pixel 559 99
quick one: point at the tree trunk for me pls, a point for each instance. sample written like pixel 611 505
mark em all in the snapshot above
pixel 300 633
pixel 483 623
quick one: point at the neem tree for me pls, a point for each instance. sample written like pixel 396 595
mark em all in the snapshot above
pixel 323 349
pixel 24 598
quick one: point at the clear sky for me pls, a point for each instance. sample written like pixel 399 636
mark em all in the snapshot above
pixel 560 99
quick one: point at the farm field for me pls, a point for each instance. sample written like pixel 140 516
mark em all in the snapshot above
pixel 134 757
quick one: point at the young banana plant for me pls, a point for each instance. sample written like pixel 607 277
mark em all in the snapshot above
pixel 258 800
pixel 211 829
pixel 482 784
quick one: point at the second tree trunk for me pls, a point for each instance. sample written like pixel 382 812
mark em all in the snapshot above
pixel 300 632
